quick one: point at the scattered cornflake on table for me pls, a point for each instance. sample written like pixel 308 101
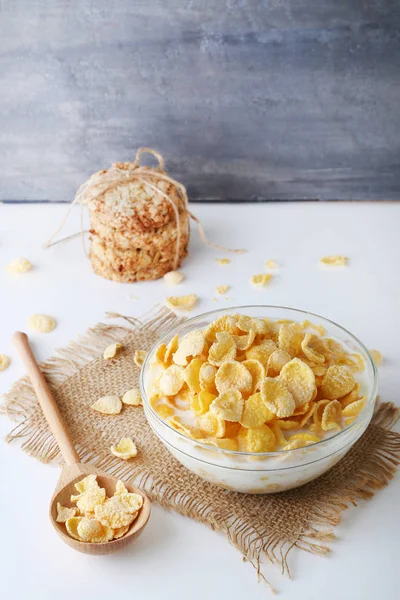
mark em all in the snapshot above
pixel 377 356
pixel 4 362
pixel 337 260
pixel 139 356
pixel 108 405
pixel 173 277
pixel 112 351
pixel 181 302
pixel 125 449
pixel 132 397
pixel 260 280
pixel 271 264
pixel 41 323
pixel 222 289
pixel 222 261
pixel 19 265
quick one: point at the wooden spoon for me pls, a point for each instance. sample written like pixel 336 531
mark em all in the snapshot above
pixel 73 470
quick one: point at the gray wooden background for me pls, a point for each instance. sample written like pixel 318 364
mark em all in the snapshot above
pixel 247 99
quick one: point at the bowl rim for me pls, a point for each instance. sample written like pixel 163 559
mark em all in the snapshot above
pixel 370 398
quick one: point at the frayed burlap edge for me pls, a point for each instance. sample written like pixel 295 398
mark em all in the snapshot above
pixel 376 471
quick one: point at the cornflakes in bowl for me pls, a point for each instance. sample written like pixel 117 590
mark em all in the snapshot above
pixel 259 398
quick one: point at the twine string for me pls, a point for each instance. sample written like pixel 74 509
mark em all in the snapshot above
pixel 122 173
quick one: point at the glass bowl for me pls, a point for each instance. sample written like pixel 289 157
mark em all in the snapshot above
pixel 263 472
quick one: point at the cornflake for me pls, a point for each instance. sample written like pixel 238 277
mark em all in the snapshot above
pixel 279 437
pixel 113 514
pixel 353 409
pixel 377 356
pixel 181 302
pixel 257 372
pixel 125 449
pixel 64 513
pixel 232 429
pixel 90 498
pixel 261 351
pixel 304 437
pixel 277 360
pixel 337 382
pixel 108 405
pixel 337 260
pixel 4 362
pixel 71 526
pixel 222 261
pixel 318 412
pixel 351 396
pixel 243 342
pixel 255 412
pixel 226 323
pixel 172 380
pixel 86 484
pixel 132 397
pixel 138 357
pixel 212 425
pixel 277 398
pixel 310 352
pixel 290 338
pixel 170 350
pixel 222 289
pixel 299 379
pixel 260 280
pixel 41 323
pixel 164 410
pixel 19 265
pixel 131 502
pixel 296 444
pixel 120 531
pixel 192 344
pixel 223 349
pixel 258 439
pixel 112 351
pixel 247 324
pixel 233 375
pixel 188 430
pixel 191 374
pixel 318 328
pixel 200 403
pixel 173 277
pixel 271 264
pixel 228 406
pixel 160 353
pixel 331 416
pixel 91 530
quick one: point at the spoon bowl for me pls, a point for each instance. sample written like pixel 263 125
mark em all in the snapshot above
pixel 66 487
pixel 73 470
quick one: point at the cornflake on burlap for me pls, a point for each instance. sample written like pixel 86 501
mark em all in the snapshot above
pixel 268 526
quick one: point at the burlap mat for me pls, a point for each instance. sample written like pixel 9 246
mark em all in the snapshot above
pixel 259 526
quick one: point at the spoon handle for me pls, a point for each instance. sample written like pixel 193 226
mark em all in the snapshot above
pixel 46 400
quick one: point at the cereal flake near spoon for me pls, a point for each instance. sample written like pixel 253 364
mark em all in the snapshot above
pixel 74 471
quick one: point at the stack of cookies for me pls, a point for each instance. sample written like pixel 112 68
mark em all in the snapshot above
pixel 139 222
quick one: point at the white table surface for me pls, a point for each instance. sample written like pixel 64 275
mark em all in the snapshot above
pixel 176 557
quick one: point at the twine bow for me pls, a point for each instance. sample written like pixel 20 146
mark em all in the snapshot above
pixel 102 182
